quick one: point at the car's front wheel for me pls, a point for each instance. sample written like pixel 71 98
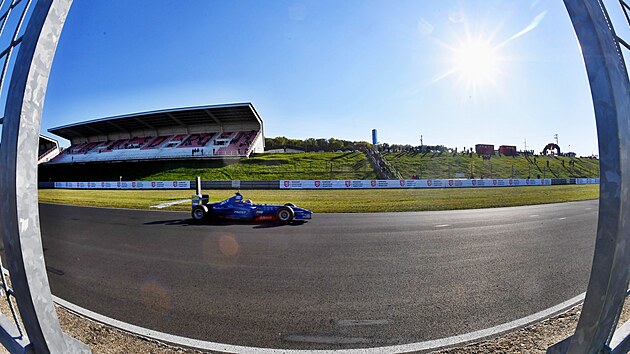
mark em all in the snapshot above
pixel 285 214
pixel 199 213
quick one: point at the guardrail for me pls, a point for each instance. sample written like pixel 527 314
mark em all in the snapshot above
pixel 320 184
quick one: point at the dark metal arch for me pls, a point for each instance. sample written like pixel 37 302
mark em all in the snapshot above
pixel 19 213
pixel 610 90
pixel 551 146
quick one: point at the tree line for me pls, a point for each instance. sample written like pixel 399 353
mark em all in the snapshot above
pixel 312 144
pixel 332 144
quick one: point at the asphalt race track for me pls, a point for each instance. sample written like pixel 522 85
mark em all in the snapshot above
pixel 338 281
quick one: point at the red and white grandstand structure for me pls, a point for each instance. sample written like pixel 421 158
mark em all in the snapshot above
pixel 207 132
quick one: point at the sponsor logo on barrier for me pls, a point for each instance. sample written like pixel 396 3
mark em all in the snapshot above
pixel 429 182
pixel 474 182
pixel 373 183
pixel 174 183
pixel 494 181
pixel 402 182
pixel 450 182
pixel 286 184
pixel 318 184
pixel 153 184
pixel 510 181
pixel 347 183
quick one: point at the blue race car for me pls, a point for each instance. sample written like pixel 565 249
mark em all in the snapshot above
pixel 235 208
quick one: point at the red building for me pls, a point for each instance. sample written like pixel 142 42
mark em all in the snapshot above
pixel 484 149
pixel 507 150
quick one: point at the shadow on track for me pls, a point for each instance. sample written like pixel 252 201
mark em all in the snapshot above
pixel 191 222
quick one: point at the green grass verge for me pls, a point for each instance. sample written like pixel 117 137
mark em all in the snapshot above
pixel 445 165
pixel 340 201
pixel 325 165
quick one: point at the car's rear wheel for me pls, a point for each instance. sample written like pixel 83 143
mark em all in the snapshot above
pixel 285 214
pixel 199 213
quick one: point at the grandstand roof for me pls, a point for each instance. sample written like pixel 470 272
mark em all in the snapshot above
pixel 214 114
pixel 44 137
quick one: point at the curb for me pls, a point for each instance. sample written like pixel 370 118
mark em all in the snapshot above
pixel 402 348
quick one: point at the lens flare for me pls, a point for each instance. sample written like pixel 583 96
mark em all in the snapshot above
pixel 228 245
pixel 155 297
pixel 221 251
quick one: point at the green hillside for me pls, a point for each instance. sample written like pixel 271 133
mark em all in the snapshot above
pixel 310 165
pixel 447 165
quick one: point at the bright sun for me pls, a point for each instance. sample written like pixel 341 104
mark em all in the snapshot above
pixel 476 62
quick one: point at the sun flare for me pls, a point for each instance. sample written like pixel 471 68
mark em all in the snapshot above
pixel 476 62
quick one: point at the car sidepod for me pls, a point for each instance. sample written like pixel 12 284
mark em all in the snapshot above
pixel 244 212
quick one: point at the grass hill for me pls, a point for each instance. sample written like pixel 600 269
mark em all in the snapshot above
pixel 447 165
pixel 310 165
pixel 326 165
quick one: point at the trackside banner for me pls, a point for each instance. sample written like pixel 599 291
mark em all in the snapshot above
pixel 125 185
pixel 410 183
pixel 587 181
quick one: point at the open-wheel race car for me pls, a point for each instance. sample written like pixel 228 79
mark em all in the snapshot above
pixel 236 208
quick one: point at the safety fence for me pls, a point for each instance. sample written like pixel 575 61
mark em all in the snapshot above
pixel 120 185
pixel 320 184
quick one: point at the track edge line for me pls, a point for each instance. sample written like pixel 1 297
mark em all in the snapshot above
pixel 425 346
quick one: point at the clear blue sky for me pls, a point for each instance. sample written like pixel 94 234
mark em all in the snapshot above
pixel 335 68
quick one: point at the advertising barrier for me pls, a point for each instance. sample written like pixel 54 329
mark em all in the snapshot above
pixel 124 185
pixel 411 183
pixel 587 181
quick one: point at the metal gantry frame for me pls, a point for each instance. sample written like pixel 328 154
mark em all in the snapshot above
pixel 25 71
pixel 610 273
pixel 19 214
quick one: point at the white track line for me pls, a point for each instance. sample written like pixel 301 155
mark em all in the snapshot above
pixel 403 348
pixel 168 204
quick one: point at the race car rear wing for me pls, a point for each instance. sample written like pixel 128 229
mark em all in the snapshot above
pixel 198 198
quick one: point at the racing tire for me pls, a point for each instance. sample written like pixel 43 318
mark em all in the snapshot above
pixel 199 213
pixel 290 205
pixel 285 214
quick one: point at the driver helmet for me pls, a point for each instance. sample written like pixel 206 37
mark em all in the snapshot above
pixel 248 201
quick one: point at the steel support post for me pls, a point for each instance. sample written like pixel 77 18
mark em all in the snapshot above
pixel 610 91
pixel 19 213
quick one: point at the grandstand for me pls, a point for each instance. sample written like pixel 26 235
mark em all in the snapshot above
pixel 47 150
pixel 192 133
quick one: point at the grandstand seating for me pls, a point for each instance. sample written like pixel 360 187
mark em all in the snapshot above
pixel 156 142
pixel 196 140
pixel 199 145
